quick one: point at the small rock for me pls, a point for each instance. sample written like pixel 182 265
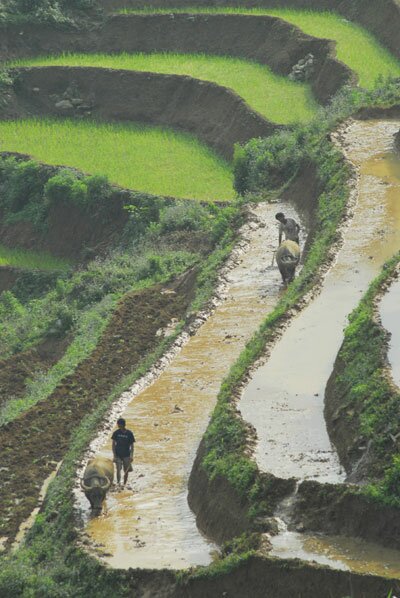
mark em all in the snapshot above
pixel 35 89
pixel 64 106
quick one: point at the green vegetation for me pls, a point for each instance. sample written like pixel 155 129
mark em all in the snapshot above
pixel 63 12
pixel 370 401
pixel 275 97
pixel 356 47
pixel 50 564
pixel 150 159
pixel 19 258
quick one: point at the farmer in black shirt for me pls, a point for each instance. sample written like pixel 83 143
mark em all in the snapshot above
pixel 122 446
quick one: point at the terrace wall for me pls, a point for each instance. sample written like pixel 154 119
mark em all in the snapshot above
pixel 380 17
pixel 267 40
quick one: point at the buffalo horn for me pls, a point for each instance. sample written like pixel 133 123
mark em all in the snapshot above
pixel 83 485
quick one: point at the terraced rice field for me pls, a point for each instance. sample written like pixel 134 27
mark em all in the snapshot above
pixel 31 260
pixel 275 97
pixel 181 373
pixel 355 46
pixel 149 159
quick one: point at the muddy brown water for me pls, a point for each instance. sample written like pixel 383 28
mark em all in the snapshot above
pixel 339 552
pixel 149 524
pixel 285 397
pixel 389 310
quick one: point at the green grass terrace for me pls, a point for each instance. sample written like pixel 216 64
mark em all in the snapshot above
pixel 356 47
pixel 144 158
pixel 275 97
pixel 32 260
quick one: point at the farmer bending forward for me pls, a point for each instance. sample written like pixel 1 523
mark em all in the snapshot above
pixel 288 227
pixel 122 447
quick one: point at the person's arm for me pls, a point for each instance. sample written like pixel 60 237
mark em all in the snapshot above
pixel 131 448
pixel 297 227
pixel 280 234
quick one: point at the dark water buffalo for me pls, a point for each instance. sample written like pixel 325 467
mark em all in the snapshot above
pixel 287 258
pixel 97 479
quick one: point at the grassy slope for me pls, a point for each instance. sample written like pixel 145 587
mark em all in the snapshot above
pixel 150 159
pixel 356 47
pixel 371 403
pixel 20 258
pixel 275 97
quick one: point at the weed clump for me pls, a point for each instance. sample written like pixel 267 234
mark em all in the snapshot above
pixel 61 12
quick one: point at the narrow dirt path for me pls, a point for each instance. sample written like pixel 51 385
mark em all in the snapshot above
pixel 150 524
pixel 389 310
pixel 285 398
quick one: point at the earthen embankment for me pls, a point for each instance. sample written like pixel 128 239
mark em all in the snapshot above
pixel 267 40
pixel 381 18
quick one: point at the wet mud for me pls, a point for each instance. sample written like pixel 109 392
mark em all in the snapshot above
pixel 149 524
pixel 389 311
pixel 285 397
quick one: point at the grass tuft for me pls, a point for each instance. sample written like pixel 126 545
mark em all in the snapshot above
pixel 31 260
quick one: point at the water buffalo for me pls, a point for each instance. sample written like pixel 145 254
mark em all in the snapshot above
pixel 97 479
pixel 287 258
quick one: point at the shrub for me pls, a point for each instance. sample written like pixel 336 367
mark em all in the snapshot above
pixel 188 216
pixel 66 187
pixel 25 185
pixel 268 162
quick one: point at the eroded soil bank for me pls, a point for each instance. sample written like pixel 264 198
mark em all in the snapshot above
pixel 72 231
pixel 285 398
pixel 150 524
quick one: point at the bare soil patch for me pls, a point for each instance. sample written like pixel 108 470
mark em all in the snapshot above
pixel 8 276
pixel 17 369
